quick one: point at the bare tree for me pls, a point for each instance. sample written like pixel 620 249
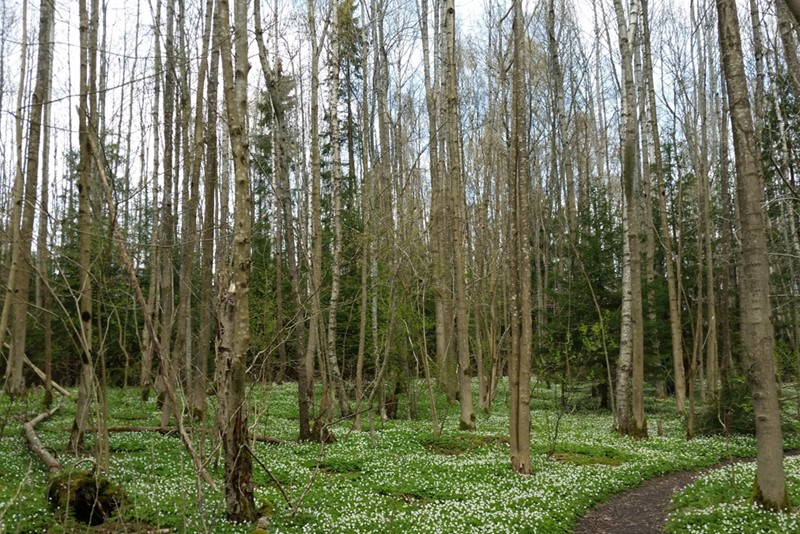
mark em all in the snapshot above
pixel 24 235
pixel 519 260
pixel 630 418
pixel 239 502
pixel 757 331
pixel 87 105
pixel 457 223
pixel 336 181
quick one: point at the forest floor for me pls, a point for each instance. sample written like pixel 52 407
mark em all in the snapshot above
pixel 643 509
pixel 406 475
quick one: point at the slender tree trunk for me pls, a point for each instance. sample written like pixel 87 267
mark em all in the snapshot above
pixel 519 258
pixel 315 345
pixel 239 502
pixel 757 333
pixel 189 211
pixel 205 327
pixel 168 213
pixel 14 384
pixel 86 382
pixel 153 291
pixel 366 238
pixel 381 190
pixel 439 248
pixel 726 361
pixel 336 181
pixel 457 226
pixel 633 336
pixel 666 237
pixel 14 381
pixel 43 298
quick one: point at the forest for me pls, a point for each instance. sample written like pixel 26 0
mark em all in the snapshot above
pixel 376 265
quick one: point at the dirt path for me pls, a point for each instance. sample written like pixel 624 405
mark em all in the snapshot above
pixel 641 510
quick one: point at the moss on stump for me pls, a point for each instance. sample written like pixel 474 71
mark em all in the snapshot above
pixel 88 498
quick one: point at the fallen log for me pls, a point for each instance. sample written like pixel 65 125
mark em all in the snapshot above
pixel 129 428
pixel 35 443
pixel 271 441
pixel 171 429
pixel 42 376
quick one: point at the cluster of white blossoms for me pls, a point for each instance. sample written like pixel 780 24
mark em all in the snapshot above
pixel 402 478
pixel 720 501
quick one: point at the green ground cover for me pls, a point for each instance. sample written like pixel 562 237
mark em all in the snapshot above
pixel 721 502
pixel 403 479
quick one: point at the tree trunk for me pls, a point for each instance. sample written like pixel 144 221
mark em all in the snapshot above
pixel 189 232
pixel 43 297
pixel 206 327
pixel 519 260
pixel 757 333
pixel 457 226
pixel 153 292
pixel 167 215
pixel 14 383
pixel 239 503
pixel 315 345
pixel 632 336
pixel 86 382
pixel 336 181
pixel 366 240
pixel 24 266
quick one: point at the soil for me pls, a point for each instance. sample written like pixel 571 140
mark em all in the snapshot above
pixel 641 510
pixel 644 509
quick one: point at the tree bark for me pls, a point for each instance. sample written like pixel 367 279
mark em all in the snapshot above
pixel 519 261
pixel 457 223
pixel 632 339
pixel 86 382
pixel 24 266
pixel 239 502
pixel 336 181
pixel 757 332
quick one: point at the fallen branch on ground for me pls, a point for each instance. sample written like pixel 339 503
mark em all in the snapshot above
pixel 35 443
pixel 171 429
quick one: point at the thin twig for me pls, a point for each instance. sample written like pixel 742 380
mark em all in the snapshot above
pixel 266 469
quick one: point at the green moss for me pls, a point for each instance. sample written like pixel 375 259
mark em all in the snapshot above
pixel 89 498
pixel 454 445
pixel 784 505
pixel 586 459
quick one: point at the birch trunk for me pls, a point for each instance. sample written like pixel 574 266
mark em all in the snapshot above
pixel 632 337
pixel 336 181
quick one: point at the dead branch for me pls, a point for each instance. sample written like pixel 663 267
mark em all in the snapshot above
pixel 137 290
pixel 172 429
pixel 36 445
pixel 41 375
